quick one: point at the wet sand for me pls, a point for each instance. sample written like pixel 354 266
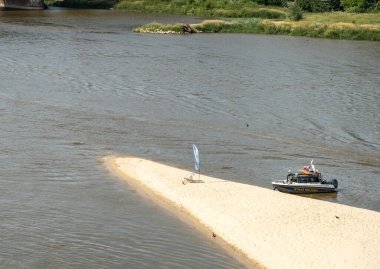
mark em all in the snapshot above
pixel 272 229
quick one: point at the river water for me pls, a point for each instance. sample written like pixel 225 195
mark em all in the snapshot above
pixel 76 86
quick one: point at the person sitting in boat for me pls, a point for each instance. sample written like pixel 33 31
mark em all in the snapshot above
pixel 309 169
pixel 305 170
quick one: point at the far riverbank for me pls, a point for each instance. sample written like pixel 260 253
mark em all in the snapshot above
pixel 338 30
pixel 249 17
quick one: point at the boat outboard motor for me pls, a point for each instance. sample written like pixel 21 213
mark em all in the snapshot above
pixel 332 182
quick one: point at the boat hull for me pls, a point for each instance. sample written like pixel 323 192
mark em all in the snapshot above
pixel 304 188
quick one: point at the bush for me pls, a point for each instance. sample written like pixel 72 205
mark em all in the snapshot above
pixel 248 12
pixel 208 8
pixel 350 3
pixel 319 5
pixel 360 5
pixel 280 3
pixel 295 13
pixel 267 13
pixel 376 6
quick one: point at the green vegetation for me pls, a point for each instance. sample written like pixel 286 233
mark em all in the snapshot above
pixel 270 9
pixel 339 19
pixel 245 8
pixel 211 8
pixel 297 22
pixel 360 5
pixel 295 12
pixel 344 17
pixel 264 26
pixel 318 5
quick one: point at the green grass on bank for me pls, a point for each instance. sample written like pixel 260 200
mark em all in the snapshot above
pixel 210 8
pixel 248 17
pixel 262 26
pixel 245 16
pixel 343 17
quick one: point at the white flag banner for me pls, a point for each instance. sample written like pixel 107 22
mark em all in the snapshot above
pixel 196 158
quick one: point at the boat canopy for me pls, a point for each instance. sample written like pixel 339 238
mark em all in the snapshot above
pixel 303 178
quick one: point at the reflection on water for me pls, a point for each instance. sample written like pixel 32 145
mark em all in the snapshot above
pixel 79 85
pixel 322 196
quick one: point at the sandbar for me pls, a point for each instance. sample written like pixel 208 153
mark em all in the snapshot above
pixel 271 229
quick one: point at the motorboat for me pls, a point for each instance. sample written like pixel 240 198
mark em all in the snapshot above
pixel 305 181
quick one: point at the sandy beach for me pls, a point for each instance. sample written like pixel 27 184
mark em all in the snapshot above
pixel 272 229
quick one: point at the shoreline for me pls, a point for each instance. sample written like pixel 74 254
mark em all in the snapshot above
pixel 344 23
pixel 340 31
pixel 269 228
pixel 178 211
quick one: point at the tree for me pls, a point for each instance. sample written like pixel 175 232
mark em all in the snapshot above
pixel 281 3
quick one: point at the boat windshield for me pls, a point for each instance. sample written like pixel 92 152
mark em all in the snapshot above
pixel 292 177
pixel 307 179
